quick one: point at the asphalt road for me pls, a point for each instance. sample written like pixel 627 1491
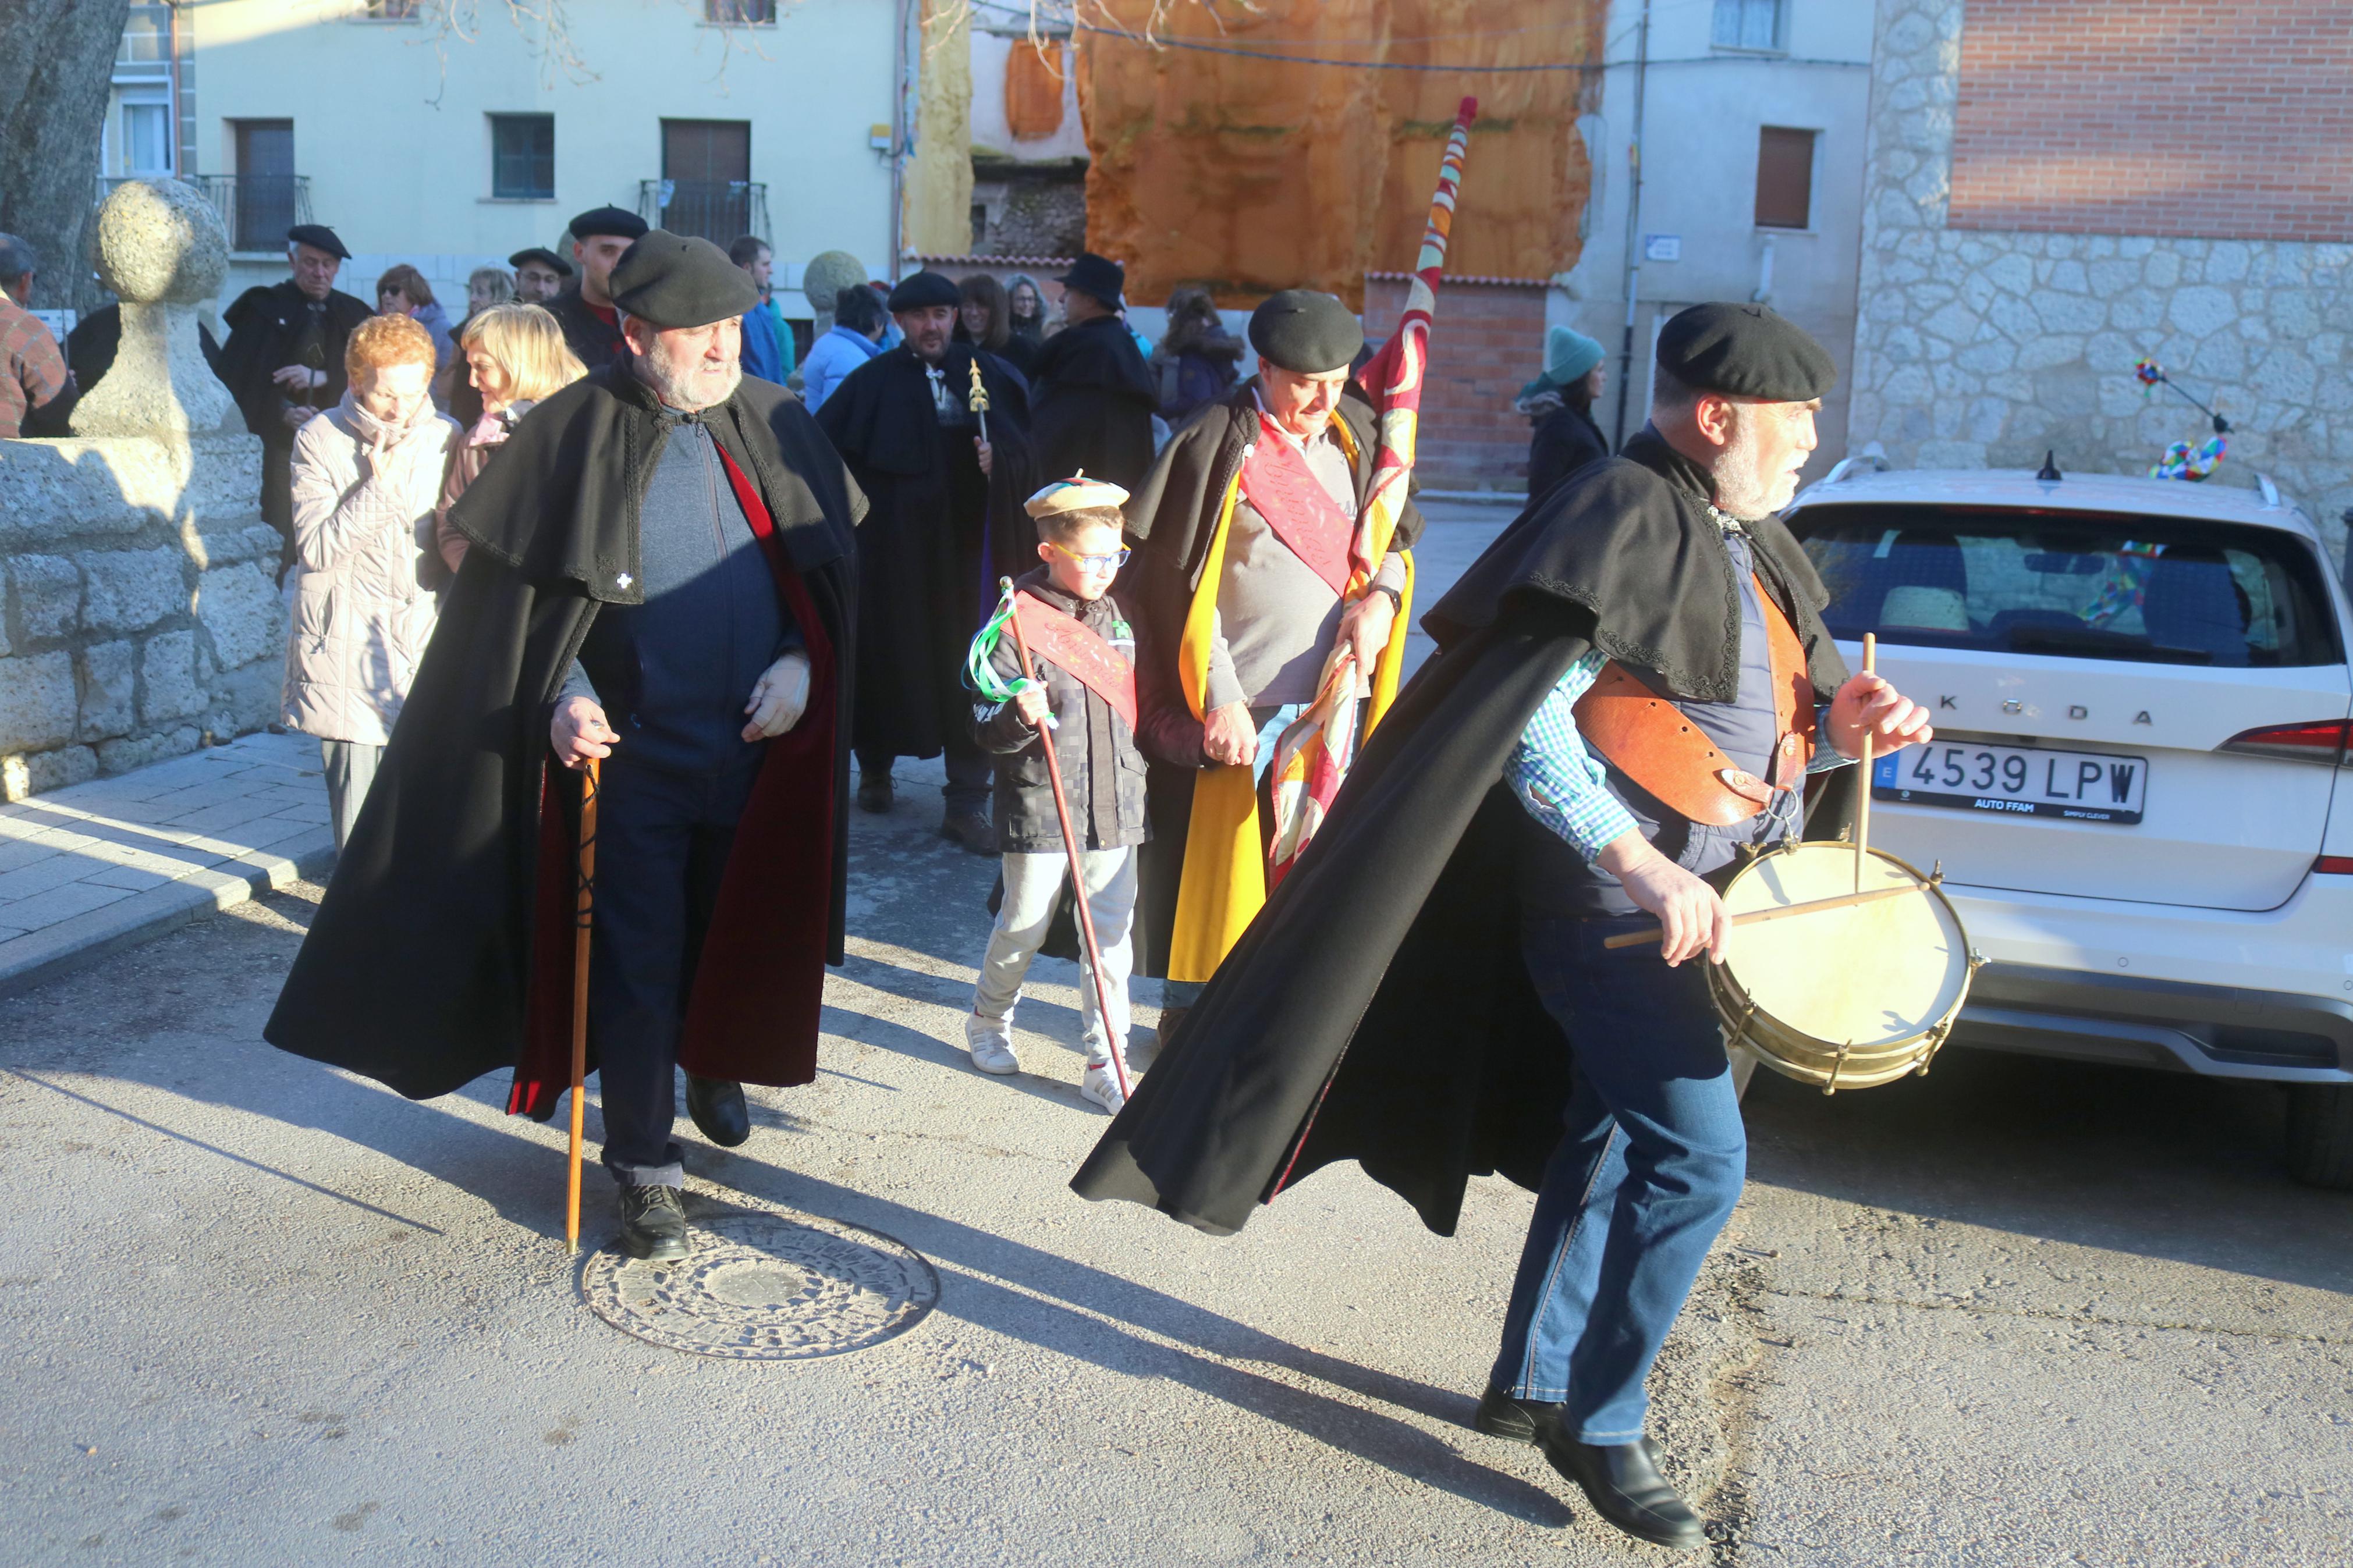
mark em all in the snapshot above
pixel 259 1312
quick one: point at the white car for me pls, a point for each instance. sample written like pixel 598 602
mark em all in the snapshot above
pixel 2142 699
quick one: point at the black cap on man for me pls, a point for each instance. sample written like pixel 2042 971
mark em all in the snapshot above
pixel 672 280
pixel 1307 333
pixel 1745 351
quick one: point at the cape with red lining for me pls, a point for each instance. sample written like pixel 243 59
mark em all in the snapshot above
pixel 442 950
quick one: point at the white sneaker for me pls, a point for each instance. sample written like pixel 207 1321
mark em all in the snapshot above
pixel 1101 1086
pixel 990 1041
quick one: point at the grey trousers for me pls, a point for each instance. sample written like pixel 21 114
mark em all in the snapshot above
pixel 1031 883
pixel 351 769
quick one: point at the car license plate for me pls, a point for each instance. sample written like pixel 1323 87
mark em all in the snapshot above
pixel 2021 780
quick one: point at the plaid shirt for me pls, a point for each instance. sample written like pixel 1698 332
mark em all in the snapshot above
pixel 32 371
pixel 1566 787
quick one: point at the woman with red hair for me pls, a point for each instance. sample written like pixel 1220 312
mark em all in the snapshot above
pixel 366 476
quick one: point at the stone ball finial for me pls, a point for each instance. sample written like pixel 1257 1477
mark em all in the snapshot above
pixel 828 272
pixel 160 242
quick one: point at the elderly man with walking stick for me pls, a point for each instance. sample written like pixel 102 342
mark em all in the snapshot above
pixel 660 581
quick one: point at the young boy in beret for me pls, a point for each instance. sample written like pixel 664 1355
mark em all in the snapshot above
pixel 1082 703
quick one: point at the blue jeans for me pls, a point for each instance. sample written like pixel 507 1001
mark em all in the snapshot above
pixel 1271 723
pixel 1651 1161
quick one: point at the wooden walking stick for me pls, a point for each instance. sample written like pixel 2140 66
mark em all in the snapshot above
pixel 1863 806
pixel 582 911
pixel 1070 845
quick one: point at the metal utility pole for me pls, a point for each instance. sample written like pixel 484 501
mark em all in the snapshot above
pixel 900 56
pixel 1633 225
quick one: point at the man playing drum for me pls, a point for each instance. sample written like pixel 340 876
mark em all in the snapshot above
pixel 1623 706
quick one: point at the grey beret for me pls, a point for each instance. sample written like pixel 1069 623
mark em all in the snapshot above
pixel 922 290
pixel 1745 351
pixel 1307 333
pixel 672 280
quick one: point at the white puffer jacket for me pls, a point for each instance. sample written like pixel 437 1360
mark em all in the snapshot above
pixel 364 498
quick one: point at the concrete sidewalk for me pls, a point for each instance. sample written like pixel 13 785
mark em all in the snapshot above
pixel 86 870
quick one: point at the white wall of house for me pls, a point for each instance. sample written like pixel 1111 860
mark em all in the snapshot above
pixel 392 129
pixel 1704 106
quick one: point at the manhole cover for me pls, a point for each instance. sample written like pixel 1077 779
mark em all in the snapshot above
pixel 765 1286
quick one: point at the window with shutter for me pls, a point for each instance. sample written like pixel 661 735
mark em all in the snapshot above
pixel 1033 90
pixel 1784 177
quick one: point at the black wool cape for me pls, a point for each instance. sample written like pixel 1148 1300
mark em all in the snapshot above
pixel 1378 1009
pixel 419 967
pixel 1093 397
pixel 936 539
pixel 1172 517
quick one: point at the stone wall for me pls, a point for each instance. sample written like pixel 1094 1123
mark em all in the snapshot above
pixel 1983 348
pixel 138 615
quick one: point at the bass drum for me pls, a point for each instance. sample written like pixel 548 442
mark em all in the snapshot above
pixel 1848 997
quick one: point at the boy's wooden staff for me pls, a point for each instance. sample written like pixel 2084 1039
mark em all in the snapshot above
pixel 1070 845
pixel 581 914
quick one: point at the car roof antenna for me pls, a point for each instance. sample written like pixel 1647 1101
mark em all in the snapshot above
pixel 2049 473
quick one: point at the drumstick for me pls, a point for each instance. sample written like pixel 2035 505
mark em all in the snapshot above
pixel 1780 911
pixel 1863 807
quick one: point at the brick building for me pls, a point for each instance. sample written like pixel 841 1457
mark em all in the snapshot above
pixel 2054 191
pixel 1485 341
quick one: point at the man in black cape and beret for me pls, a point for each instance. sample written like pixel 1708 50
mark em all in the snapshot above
pixel 1246 528
pixel 947 522
pixel 1091 395
pixel 660 574
pixel 284 359
pixel 1415 994
pixel 587 313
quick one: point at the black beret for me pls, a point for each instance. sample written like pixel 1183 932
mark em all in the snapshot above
pixel 1307 333
pixel 680 281
pixel 1745 351
pixel 318 237
pixel 922 290
pixel 608 220
pixel 544 256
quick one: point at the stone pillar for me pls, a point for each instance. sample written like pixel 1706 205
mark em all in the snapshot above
pixel 161 249
pixel 828 272
pixel 141 617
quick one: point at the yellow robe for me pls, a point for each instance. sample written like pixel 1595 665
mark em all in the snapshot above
pixel 1224 879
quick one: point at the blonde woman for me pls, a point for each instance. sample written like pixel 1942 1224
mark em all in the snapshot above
pixel 366 473
pixel 515 356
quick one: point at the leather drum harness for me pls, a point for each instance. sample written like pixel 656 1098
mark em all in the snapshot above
pixel 1651 741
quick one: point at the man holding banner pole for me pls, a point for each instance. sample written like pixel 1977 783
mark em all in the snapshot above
pixel 1274 612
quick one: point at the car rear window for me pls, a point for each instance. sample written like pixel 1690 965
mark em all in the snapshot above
pixel 2083 585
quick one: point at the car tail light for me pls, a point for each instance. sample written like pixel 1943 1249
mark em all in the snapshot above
pixel 2334 865
pixel 2317 740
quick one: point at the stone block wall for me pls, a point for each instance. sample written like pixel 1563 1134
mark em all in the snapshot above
pixel 1985 347
pixel 139 613
pixel 1486 341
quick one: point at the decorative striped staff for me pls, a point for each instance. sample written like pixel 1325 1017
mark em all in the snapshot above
pixel 1311 757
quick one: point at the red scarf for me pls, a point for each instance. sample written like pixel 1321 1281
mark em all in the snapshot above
pixel 1301 512
pixel 1079 651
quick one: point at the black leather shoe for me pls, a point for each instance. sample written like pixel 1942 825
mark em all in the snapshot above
pixel 874 793
pixel 718 1108
pixel 1622 1480
pixel 653 1223
pixel 971 830
pixel 1515 1420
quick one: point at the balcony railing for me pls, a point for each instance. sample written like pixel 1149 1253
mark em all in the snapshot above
pixel 720 211
pixel 255 209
